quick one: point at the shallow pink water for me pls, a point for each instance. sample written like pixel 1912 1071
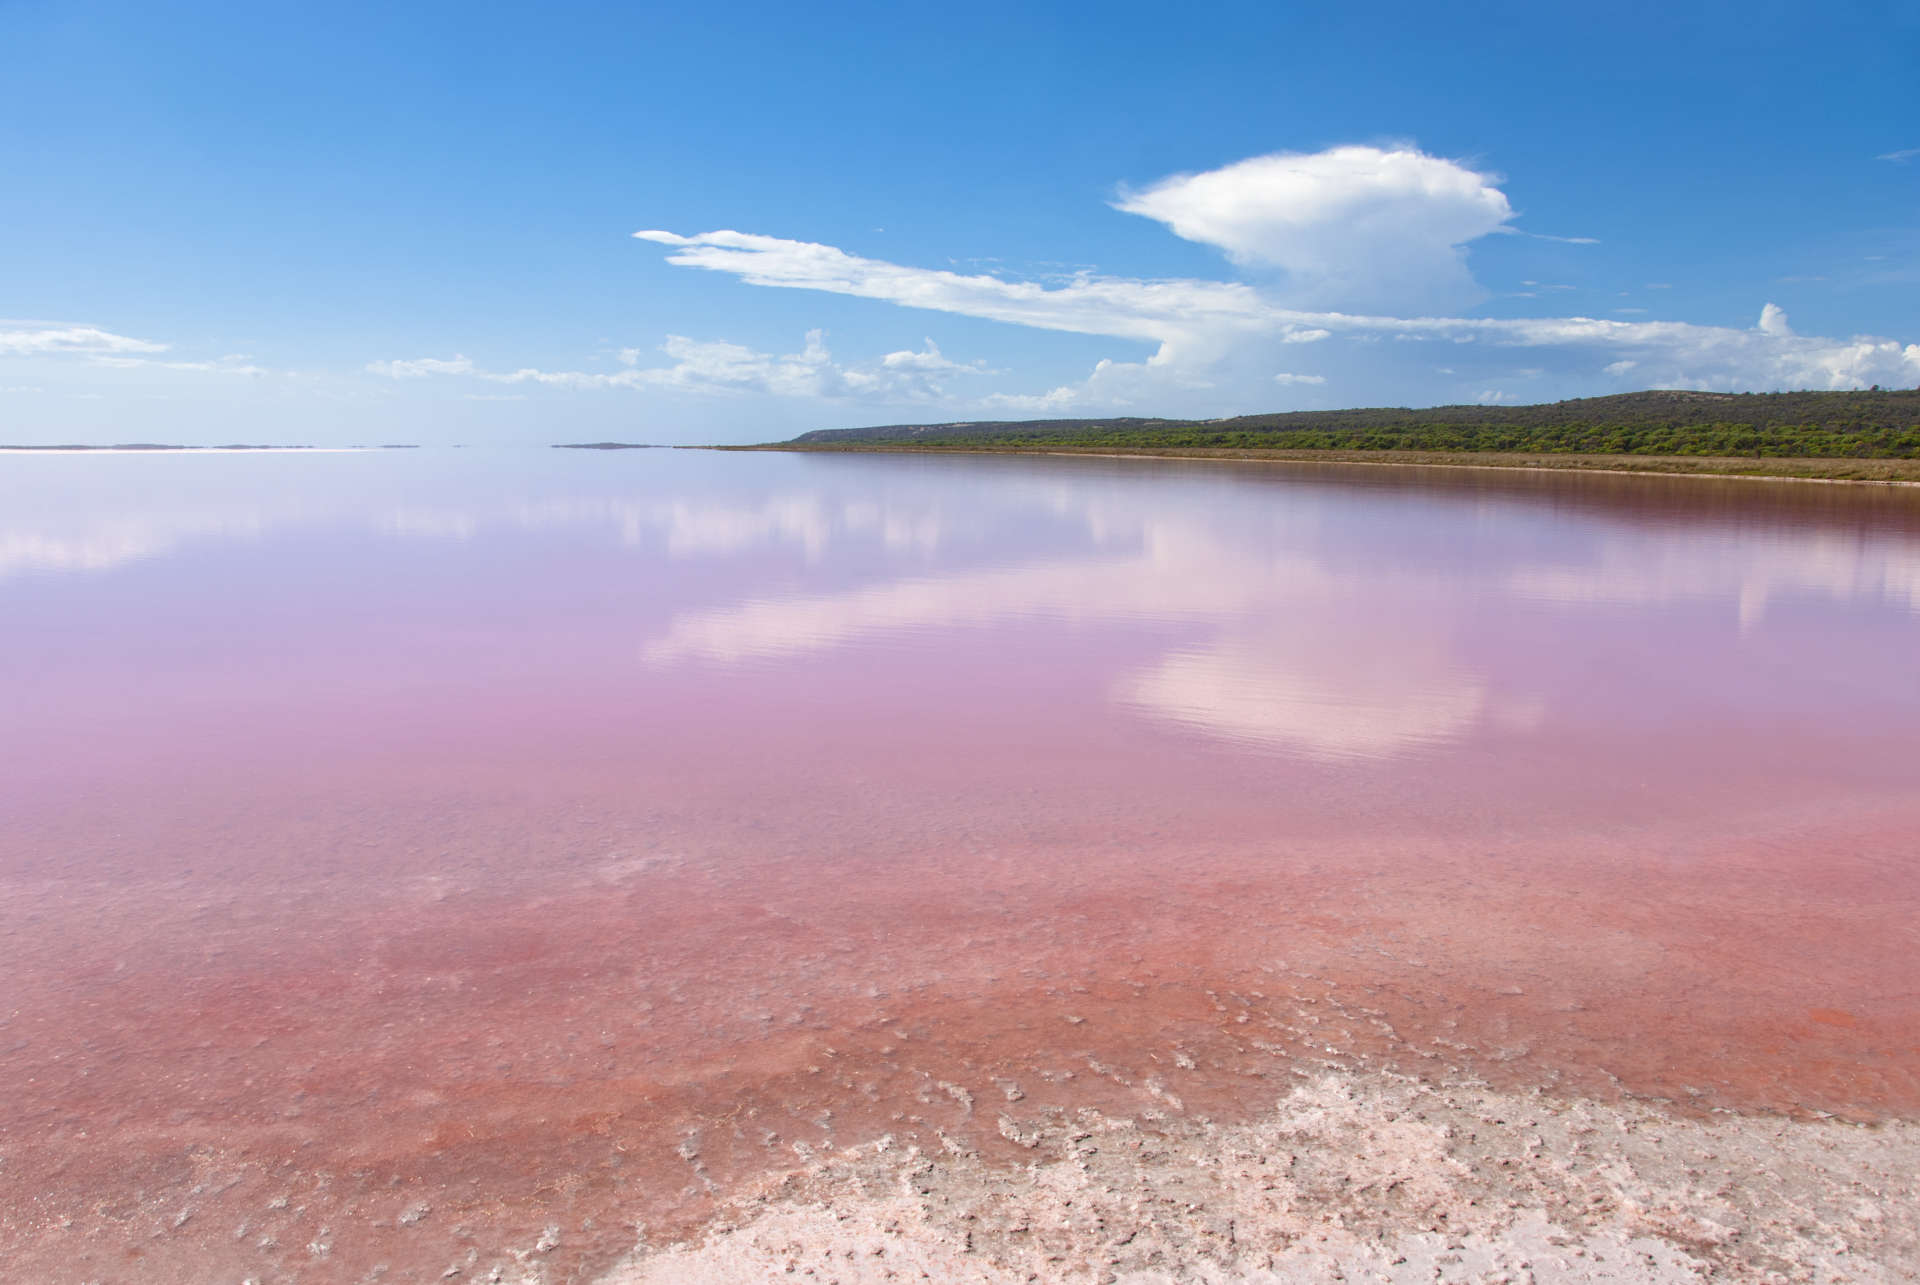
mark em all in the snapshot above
pixel 570 840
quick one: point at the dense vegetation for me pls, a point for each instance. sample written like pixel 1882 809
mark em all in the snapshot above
pixel 1860 425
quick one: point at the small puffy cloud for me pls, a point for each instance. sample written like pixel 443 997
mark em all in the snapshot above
pixel 1066 397
pixel 1285 377
pixel 720 367
pixel 928 359
pixel 1351 226
pixel 1773 321
pixel 421 367
pixel 711 366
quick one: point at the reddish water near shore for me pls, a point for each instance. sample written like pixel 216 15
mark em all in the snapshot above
pixel 412 858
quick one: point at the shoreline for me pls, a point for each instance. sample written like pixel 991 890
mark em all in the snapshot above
pixel 1902 472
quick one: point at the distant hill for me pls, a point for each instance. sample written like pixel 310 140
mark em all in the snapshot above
pixel 1872 424
pixel 606 446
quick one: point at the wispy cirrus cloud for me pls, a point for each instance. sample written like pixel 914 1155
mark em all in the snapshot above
pixel 54 339
pixel 1548 236
pixel 1900 157
pixel 231 364
pixel 1197 323
pixel 1147 311
pixel 97 347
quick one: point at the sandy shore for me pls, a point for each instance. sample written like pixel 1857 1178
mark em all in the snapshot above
pixel 1350 1177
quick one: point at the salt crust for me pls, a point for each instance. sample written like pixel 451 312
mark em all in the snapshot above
pixel 1354 1178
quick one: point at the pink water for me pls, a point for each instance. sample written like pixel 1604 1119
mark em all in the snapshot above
pixel 407 854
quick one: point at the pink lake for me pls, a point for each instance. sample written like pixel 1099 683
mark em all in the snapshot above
pixel 410 850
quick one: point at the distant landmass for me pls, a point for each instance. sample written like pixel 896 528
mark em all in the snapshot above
pixel 1875 424
pixel 607 446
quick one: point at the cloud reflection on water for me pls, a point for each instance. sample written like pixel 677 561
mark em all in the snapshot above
pixel 1751 571
pixel 1300 661
pixel 1314 693
pixel 1302 614
pixel 1308 646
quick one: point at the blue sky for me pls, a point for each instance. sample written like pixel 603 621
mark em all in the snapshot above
pixel 416 223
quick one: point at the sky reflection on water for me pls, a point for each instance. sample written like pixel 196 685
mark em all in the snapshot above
pixel 1341 614
pixel 367 815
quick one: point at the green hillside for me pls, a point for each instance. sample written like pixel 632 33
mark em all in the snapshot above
pixel 1874 424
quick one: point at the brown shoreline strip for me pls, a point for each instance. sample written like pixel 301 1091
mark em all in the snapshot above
pixel 1880 472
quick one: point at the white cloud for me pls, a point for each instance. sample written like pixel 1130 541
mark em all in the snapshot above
pixel 1062 398
pixel 1198 324
pixel 41 339
pixel 1900 157
pixel 927 359
pixel 1286 378
pixel 1351 226
pixel 232 364
pixel 719 367
pixel 1162 312
pixel 1773 321
pixel 421 367
pixel 93 346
